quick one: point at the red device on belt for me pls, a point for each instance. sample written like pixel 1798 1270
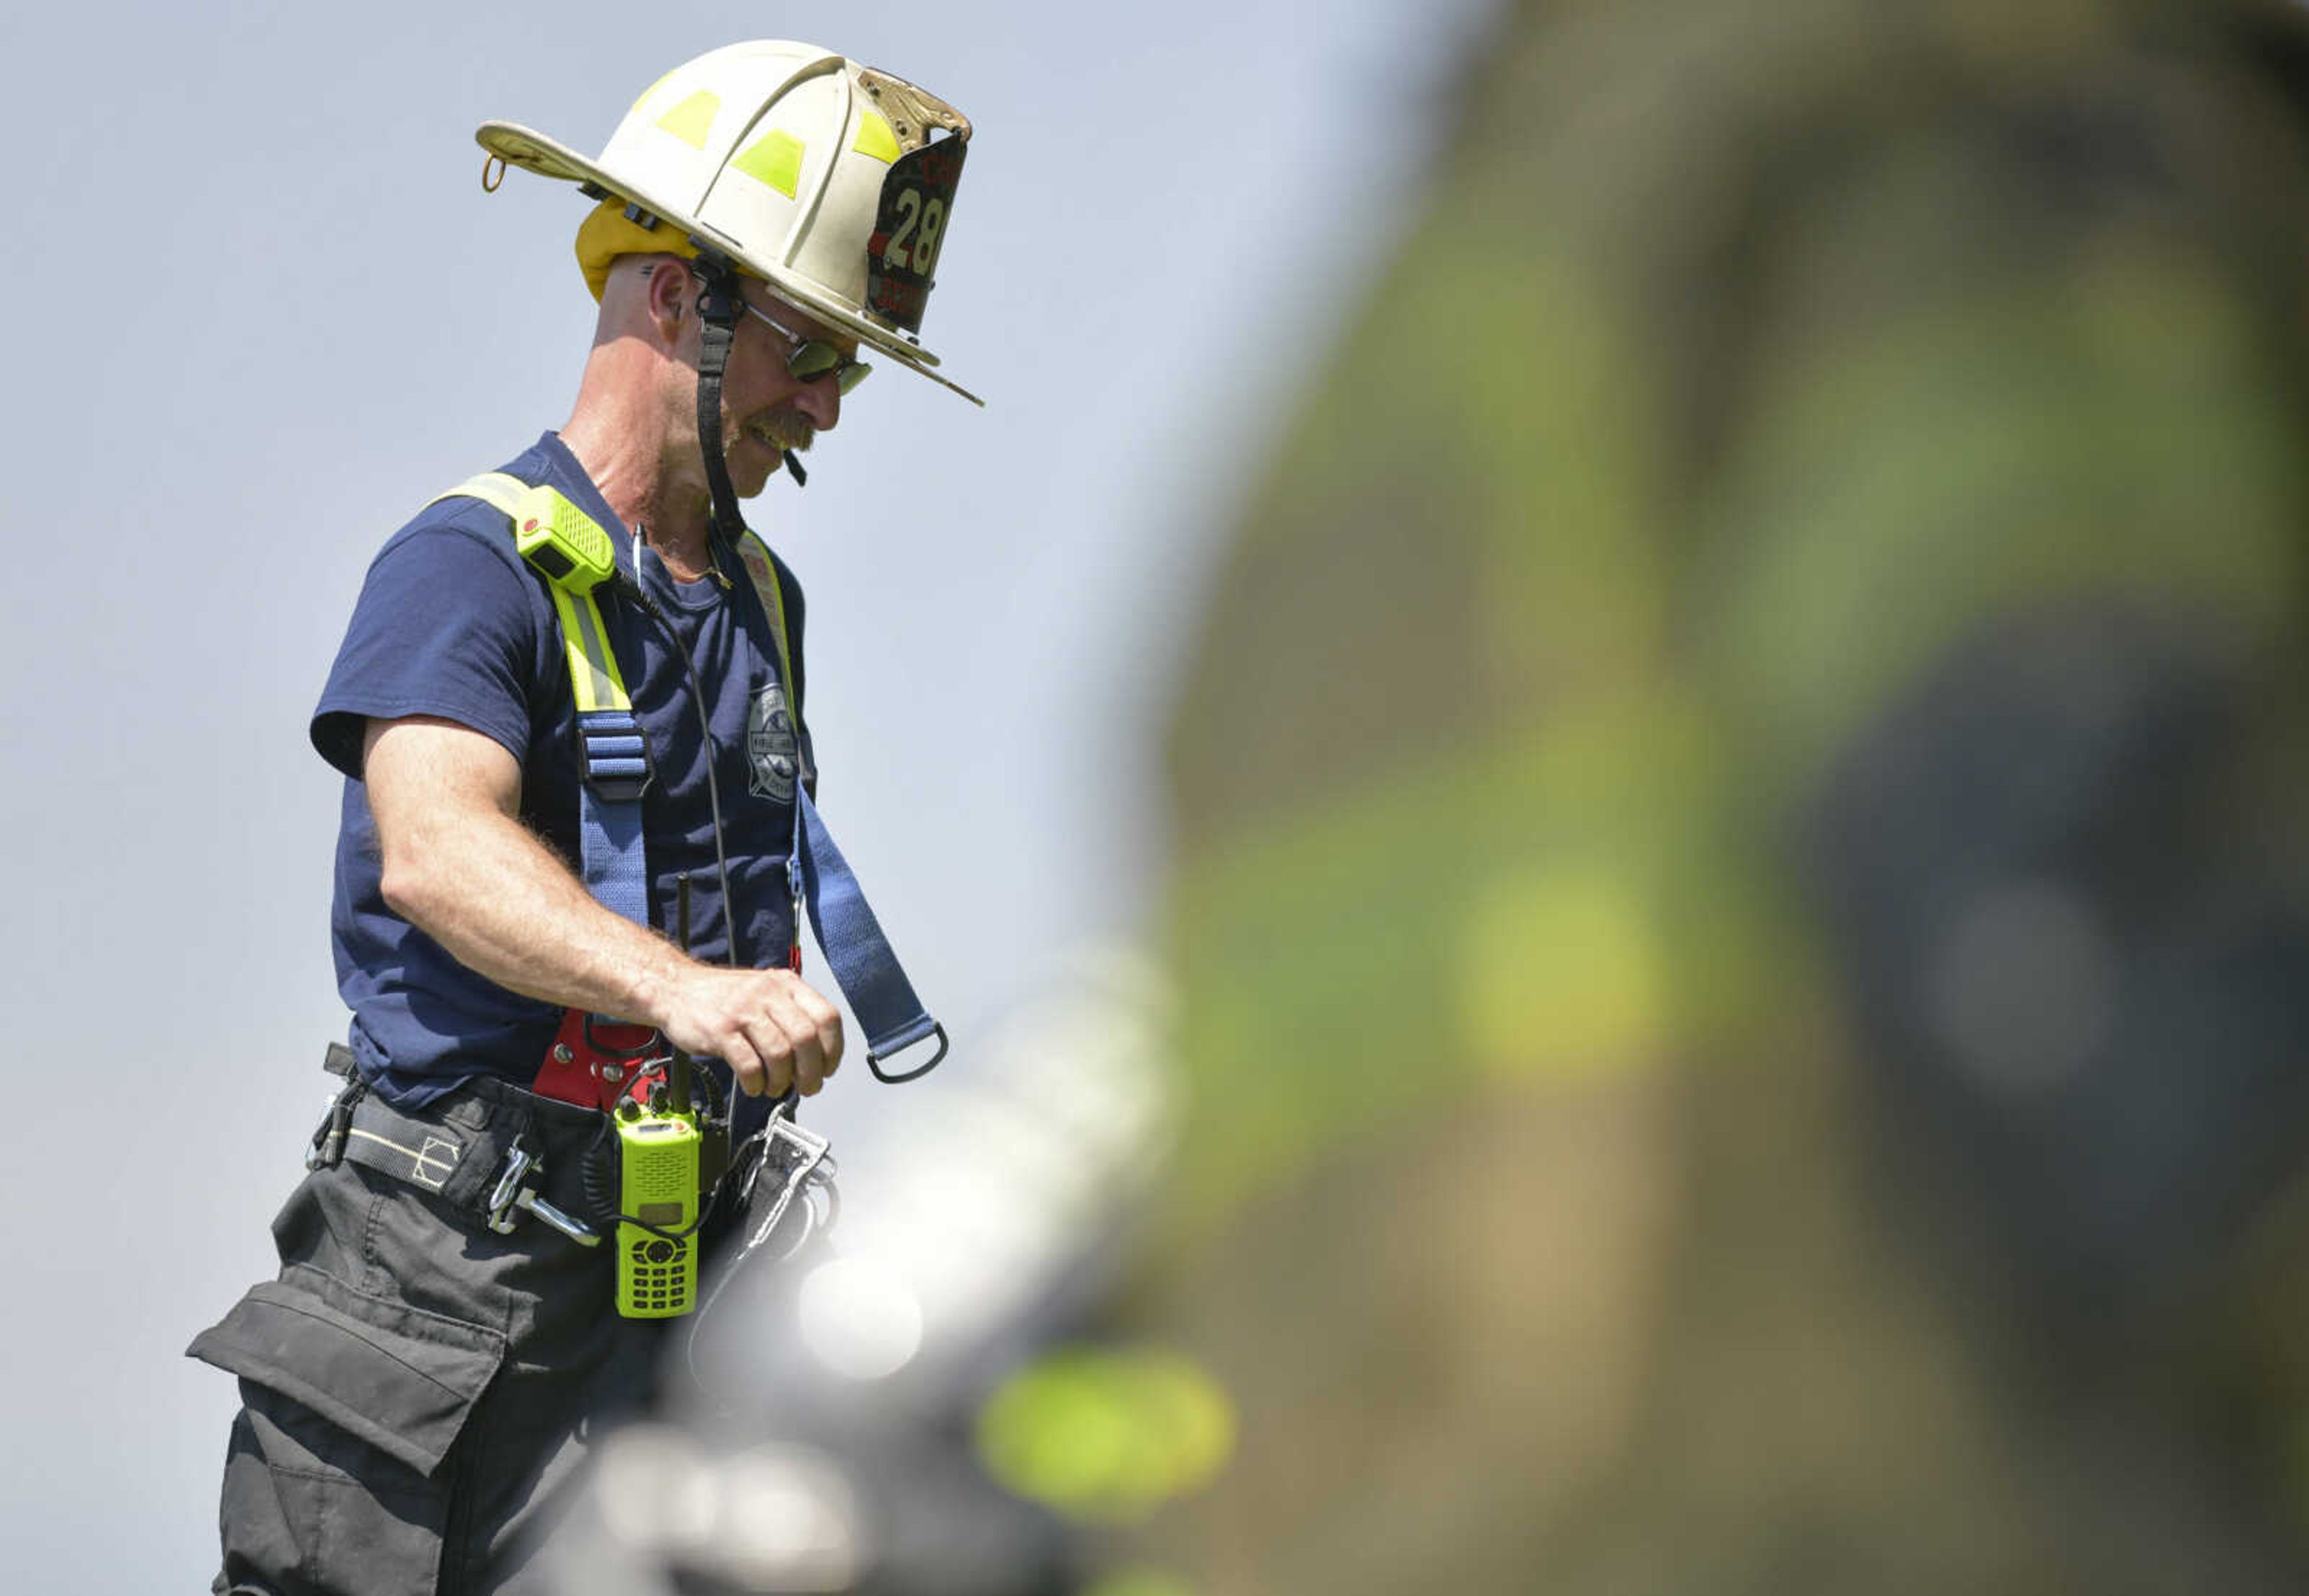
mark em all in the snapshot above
pixel 593 1062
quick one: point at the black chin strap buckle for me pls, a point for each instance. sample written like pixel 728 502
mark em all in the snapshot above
pixel 717 294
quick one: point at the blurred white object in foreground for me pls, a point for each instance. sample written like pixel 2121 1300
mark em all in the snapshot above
pixel 826 1444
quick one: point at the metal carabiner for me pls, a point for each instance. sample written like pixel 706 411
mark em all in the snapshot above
pixel 507 1191
pixel 515 1190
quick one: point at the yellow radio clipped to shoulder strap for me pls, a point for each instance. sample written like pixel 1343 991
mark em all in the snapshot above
pixel 549 529
pixel 576 555
pixel 565 543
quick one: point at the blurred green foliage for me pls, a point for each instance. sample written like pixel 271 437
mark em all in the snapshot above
pixel 1745 366
pixel 1106 1435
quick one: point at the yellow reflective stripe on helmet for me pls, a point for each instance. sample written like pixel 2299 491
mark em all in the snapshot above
pixel 652 89
pixel 876 139
pixel 491 487
pixel 594 681
pixel 774 158
pixel 693 119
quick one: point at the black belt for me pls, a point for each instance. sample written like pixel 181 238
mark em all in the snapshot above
pixel 486 1146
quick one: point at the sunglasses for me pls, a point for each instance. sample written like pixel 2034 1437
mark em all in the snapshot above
pixel 810 359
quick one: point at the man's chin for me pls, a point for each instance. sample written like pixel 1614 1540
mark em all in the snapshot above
pixel 751 469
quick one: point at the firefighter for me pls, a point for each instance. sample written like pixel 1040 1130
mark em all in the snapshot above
pixel 569 711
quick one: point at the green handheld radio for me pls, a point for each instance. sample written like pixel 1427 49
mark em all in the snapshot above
pixel 658 1150
pixel 562 540
pixel 657 1275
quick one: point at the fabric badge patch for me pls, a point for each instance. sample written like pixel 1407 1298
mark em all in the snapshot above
pixel 771 746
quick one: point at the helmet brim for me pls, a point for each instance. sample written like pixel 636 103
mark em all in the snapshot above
pixel 532 150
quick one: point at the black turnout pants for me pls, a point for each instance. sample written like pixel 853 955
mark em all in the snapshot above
pixel 418 1389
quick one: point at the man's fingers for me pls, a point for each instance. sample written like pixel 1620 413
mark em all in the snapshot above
pixel 745 1063
pixel 810 1028
pixel 776 1033
pixel 803 1035
pixel 772 1046
pixel 789 1046
pixel 825 1020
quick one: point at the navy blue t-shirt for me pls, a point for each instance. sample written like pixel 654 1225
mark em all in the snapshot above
pixel 452 622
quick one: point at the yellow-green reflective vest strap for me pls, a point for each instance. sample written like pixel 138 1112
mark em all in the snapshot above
pixel 593 677
pixel 755 556
pixel 492 486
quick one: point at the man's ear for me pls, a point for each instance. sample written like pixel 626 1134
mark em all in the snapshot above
pixel 669 292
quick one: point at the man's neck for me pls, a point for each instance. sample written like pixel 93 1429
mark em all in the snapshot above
pixel 621 443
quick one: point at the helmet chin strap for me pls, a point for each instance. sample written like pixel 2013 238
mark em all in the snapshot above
pixel 717 308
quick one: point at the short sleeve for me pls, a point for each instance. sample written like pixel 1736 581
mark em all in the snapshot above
pixel 446 625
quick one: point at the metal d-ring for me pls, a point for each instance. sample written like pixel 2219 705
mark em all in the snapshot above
pixel 874 1061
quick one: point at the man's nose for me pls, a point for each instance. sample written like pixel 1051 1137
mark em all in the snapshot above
pixel 821 401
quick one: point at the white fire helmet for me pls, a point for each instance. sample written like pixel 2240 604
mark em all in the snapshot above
pixel 829 181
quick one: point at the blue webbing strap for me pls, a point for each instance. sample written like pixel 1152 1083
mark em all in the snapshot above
pixel 816 875
pixel 611 857
pixel 614 758
pixel 861 956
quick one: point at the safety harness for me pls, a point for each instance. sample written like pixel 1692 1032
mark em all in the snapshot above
pixel 575 556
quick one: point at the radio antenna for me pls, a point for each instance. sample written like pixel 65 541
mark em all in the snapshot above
pixel 677 1072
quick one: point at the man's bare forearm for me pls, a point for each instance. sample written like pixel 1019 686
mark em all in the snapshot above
pixel 460 867
pixel 507 908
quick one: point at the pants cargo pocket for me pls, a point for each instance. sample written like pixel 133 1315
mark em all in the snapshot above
pixel 341 1473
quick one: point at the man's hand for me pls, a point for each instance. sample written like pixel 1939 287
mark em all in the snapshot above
pixel 768 1026
pixel 460 865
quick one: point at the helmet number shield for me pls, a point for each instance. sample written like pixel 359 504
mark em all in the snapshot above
pixel 917 196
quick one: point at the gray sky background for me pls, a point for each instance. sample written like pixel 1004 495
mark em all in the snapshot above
pixel 261 310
